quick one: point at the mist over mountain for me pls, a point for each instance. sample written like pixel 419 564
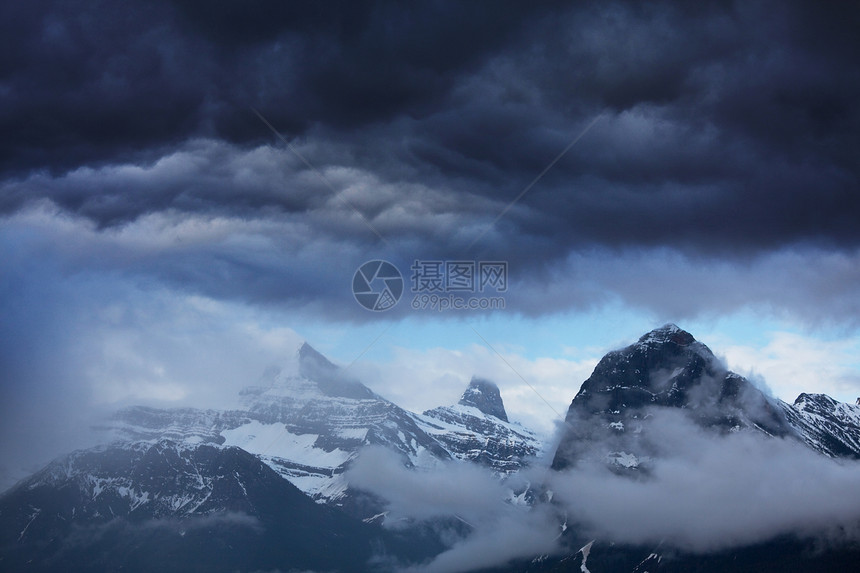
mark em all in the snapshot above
pixel 484 395
pixel 476 428
pixel 663 451
pixel 664 447
pixel 666 369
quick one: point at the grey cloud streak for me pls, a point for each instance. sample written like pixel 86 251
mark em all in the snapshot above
pixel 497 531
pixel 703 493
pixel 302 261
pixel 707 493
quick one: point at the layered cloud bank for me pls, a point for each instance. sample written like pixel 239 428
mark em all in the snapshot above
pixel 705 493
pixel 708 493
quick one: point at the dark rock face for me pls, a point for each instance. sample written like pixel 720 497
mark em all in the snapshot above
pixel 484 395
pixel 170 507
pixel 666 368
pixel 477 429
pixel 782 555
pixel 668 382
pixel 826 425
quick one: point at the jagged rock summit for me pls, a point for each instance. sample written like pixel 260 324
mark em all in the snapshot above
pixel 665 368
pixel 477 429
pixel 668 333
pixel 825 424
pixel 307 420
pixel 484 395
pixel 328 377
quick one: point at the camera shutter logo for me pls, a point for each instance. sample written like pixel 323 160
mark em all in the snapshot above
pixel 377 285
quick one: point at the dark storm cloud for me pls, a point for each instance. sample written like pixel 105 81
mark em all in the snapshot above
pixel 726 132
pixel 89 84
pixel 724 124
pixel 814 286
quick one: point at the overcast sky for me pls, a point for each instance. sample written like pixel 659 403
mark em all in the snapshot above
pixel 186 189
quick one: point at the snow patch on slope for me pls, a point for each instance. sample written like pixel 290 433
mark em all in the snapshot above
pixel 275 441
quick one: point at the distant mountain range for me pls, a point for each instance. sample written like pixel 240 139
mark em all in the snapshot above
pixel 309 421
pixel 265 487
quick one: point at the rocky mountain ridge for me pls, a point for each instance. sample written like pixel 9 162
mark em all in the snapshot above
pixel 189 479
pixel 665 368
pixel 826 425
pixel 168 506
pixel 309 420
pixel 477 429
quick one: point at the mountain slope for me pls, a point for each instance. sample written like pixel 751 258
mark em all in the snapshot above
pixel 172 507
pixel 826 425
pixel 477 429
pixel 665 368
pixel 307 421
pixel 196 502
pixel 630 415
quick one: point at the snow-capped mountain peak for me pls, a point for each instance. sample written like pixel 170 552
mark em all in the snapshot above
pixel 668 333
pixel 306 376
pixel 665 368
pixel 306 420
pixel 825 424
pixel 484 395
pixel 477 429
pixel 672 336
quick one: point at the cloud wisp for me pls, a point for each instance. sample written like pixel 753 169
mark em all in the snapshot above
pixel 703 492
pixel 706 492
pixel 497 531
